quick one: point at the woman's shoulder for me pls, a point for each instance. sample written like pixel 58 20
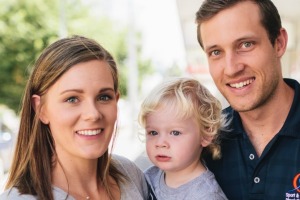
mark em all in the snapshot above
pixel 135 186
pixel 121 159
pixel 14 194
pixel 123 163
pixel 127 167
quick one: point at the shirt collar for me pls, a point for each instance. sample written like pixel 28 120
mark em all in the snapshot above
pixel 291 126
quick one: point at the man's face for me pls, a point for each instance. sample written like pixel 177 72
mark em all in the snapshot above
pixel 242 61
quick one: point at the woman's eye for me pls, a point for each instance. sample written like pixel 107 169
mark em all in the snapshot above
pixel 104 98
pixel 72 100
pixel 152 133
pixel 175 133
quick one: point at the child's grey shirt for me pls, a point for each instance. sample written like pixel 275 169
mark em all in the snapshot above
pixel 202 187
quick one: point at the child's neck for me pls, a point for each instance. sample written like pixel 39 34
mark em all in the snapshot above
pixel 174 179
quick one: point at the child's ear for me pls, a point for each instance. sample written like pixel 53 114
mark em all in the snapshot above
pixel 36 103
pixel 206 140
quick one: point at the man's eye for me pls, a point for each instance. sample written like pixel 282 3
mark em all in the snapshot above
pixel 152 133
pixel 247 44
pixel 175 133
pixel 215 53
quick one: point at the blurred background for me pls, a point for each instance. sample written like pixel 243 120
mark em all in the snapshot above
pixel 150 40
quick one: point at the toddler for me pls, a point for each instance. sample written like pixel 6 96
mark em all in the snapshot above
pixel 181 118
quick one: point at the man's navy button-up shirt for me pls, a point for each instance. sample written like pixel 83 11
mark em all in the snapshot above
pixel 275 174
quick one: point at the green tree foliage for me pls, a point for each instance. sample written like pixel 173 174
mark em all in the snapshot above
pixel 28 26
pixel 24 32
pixel 112 35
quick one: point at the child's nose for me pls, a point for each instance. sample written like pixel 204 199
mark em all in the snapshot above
pixel 161 142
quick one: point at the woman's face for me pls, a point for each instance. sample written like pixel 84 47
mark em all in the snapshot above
pixel 81 110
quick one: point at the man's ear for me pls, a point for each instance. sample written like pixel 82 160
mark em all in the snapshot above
pixel 36 104
pixel 281 42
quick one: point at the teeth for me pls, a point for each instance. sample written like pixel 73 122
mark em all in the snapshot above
pixel 241 84
pixel 89 132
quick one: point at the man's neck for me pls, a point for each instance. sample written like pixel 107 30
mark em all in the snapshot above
pixel 263 123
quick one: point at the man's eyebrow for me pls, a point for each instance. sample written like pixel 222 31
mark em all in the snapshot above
pixel 208 48
pixel 243 38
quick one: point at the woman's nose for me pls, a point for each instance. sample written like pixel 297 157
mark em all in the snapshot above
pixel 92 112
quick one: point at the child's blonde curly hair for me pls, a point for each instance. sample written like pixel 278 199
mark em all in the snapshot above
pixel 189 98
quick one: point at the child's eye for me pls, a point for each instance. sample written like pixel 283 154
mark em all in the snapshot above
pixel 72 100
pixel 175 133
pixel 152 133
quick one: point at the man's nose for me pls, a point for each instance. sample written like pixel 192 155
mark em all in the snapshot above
pixel 233 64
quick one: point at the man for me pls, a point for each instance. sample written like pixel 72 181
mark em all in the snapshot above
pixel 244 43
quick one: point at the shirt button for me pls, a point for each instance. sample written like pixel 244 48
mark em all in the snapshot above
pixel 256 180
pixel 251 156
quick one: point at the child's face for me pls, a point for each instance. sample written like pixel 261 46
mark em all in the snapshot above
pixel 173 144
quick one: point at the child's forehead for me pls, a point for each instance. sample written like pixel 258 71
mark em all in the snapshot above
pixel 168 105
pixel 176 109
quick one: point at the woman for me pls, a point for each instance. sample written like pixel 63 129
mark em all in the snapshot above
pixel 68 117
